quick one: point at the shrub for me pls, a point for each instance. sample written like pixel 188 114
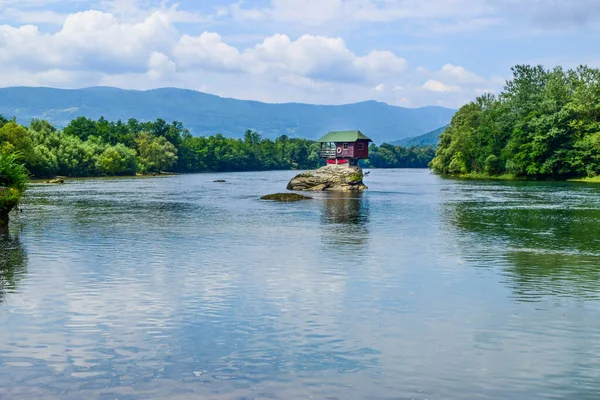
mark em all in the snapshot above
pixel 493 165
pixel 13 181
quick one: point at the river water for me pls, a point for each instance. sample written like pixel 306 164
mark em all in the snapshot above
pixel 421 288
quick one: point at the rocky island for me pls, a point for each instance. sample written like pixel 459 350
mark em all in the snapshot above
pixel 330 177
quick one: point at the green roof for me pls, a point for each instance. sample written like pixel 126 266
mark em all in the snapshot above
pixel 343 136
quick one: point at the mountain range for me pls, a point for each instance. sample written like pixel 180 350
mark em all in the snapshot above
pixel 206 114
pixel 429 139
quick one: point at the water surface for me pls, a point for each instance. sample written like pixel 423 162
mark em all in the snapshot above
pixel 421 288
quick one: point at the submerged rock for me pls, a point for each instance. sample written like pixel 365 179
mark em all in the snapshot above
pixel 56 180
pixel 285 197
pixel 220 181
pixel 329 177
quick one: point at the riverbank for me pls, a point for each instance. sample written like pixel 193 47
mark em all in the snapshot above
pixel 595 179
pixel 512 177
pixel 482 176
pixel 38 180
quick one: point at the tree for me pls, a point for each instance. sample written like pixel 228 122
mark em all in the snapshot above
pixel 117 160
pixel 155 154
pixel 15 138
pixel 3 121
pixel 82 128
pixel 543 125
pixel 13 182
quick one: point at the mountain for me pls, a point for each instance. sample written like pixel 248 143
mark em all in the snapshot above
pixel 429 139
pixel 206 114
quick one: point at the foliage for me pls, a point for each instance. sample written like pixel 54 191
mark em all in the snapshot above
pixel 155 153
pixel 544 125
pixel 14 138
pixel 208 115
pixel 13 181
pixel 117 160
pixel 389 156
pixel 95 148
pixel 13 174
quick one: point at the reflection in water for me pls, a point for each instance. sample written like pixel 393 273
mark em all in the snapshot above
pixel 346 215
pixel 177 288
pixel 548 238
pixel 13 262
pixel 345 208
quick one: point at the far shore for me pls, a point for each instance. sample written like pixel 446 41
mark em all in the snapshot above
pixel 471 176
pixel 510 177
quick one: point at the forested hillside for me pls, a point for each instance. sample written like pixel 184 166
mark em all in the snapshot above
pixel 87 147
pixel 544 124
pixel 429 139
pixel 205 114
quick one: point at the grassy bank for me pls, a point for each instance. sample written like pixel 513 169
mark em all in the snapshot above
pixel 595 179
pixel 511 177
pixel 483 176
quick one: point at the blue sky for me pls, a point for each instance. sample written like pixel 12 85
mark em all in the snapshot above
pixel 404 52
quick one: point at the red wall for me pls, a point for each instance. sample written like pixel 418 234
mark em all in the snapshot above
pixel 364 153
pixel 352 151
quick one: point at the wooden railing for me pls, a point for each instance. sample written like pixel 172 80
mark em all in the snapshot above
pixel 328 153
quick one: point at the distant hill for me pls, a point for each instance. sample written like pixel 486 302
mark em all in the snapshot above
pixel 429 139
pixel 206 114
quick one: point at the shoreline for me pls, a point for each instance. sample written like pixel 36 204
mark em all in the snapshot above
pixel 513 178
pixel 39 180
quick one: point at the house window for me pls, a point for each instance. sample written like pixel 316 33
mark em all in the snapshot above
pixel 361 146
pixel 345 146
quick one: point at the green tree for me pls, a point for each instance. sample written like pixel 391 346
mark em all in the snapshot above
pixel 15 138
pixel 155 154
pixel 82 127
pixel 117 160
pixel 13 182
pixel 543 125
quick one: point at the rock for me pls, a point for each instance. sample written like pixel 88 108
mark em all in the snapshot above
pixel 56 180
pixel 329 177
pixel 220 181
pixel 285 197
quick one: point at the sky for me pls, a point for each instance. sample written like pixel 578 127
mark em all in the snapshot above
pixel 409 53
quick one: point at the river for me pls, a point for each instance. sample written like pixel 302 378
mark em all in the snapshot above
pixel 421 288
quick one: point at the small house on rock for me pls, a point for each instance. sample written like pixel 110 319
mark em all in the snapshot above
pixel 344 147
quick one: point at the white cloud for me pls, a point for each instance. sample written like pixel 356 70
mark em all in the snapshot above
pixel 431 17
pixel 382 63
pixel 314 57
pixel 437 86
pixel 90 40
pixel 32 16
pixel 160 67
pixel 483 91
pixel 130 47
pixel 207 51
pixel 459 74
pixel 317 12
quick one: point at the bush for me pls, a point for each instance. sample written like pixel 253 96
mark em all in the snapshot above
pixel 13 180
pixel 117 160
pixel 13 174
pixel 493 165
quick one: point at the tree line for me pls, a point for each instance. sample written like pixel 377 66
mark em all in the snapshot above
pixel 87 147
pixel 545 124
pixel 389 156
